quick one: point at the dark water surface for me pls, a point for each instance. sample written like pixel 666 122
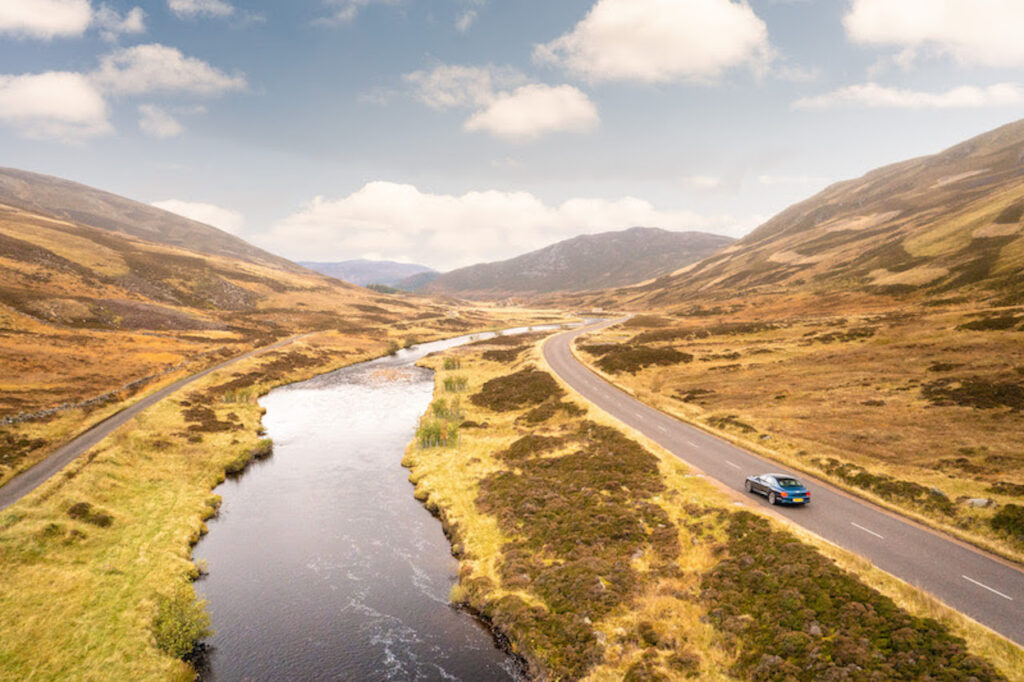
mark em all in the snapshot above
pixel 322 564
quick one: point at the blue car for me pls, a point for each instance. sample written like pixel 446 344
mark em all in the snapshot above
pixel 779 488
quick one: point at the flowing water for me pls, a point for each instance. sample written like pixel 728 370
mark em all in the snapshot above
pixel 322 565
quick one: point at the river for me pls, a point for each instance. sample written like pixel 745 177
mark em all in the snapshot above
pixel 322 565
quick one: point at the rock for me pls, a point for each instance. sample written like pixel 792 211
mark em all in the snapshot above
pixel 814 630
pixel 979 502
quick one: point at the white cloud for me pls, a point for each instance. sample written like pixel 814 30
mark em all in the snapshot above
pixel 874 95
pixel 156 122
pixel 506 105
pixel 157 68
pixel 45 19
pixel 450 86
pixel 190 9
pixel 704 183
pixel 54 105
pixel 657 41
pixel 344 11
pixel 986 32
pixel 112 24
pixel 398 221
pixel 465 20
pixel 223 218
pixel 535 110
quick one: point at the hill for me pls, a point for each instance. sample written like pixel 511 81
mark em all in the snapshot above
pixel 98 292
pixel 52 197
pixel 586 262
pixel 364 272
pixel 942 225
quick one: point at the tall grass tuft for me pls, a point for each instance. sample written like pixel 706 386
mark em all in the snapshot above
pixel 452 363
pixel 455 384
pixel 437 433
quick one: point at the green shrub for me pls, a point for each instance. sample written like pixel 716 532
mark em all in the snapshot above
pixel 180 622
pixel 455 384
pixel 889 488
pixel 451 363
pixel 435 433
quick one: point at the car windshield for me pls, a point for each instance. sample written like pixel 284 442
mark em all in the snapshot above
pixel 789 482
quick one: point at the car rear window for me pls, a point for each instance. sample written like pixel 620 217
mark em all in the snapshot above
pixel 789 483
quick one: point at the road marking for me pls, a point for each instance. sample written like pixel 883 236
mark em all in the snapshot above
pixel 867 530
pixel 1004 596
pixel 691 443
pixel 735 466
pixel 662 428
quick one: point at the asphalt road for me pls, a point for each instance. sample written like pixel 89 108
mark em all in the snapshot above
pixel 29 480
pixel 987 589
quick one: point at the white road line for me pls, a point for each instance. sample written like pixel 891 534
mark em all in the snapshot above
pixel 735 466
pixel 662 428
pixel 867 530
pixel 691 443
pixel 1004 596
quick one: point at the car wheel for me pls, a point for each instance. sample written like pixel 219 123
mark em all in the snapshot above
pixel 748 486
pixel 771 498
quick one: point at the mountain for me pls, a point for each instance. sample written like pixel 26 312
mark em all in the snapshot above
pixel 52 197
pixel 364 272
pixel 419 281
pixel 98 291
pixel 942 225
pixel 587 262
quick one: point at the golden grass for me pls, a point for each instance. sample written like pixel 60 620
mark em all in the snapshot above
pixel 448 479
pixel 77 600
pixel 858 401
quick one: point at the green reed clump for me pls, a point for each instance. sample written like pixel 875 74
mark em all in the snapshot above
pixel 451 363
pixel 437 433
pixel 455 384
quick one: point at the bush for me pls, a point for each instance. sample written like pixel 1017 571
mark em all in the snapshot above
pixel 526 387
pixel 634 358
pixel 794 613
pixel 83 511
pixel 1010 520
pixel 455 384
pixel 180 623
pixel 889 488
pixel 452 363
pixel 974 392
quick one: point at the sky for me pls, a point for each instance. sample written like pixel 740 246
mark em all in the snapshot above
pixel 451 132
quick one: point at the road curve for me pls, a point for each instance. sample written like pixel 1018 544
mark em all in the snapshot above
pixel 986 589
pixel 30 479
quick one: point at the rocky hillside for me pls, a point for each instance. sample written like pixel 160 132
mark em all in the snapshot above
pixel 594 261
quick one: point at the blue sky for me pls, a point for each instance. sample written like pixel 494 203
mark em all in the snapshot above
pixel 450 132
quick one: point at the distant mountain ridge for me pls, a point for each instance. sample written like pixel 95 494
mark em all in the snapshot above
pixel 594 261
pixel 364 272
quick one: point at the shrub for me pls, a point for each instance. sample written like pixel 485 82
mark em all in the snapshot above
pixel 693 395
pixel 1007 488
pixel 1010 520
pixel 180 623
pixel 974 392
pixel 526 387
pixel 794 613
pixel 505 356
pixel 996 323
pixel 452 363
pixel 634 358
pixel 83 511
pixel 730 421
pixel 434 433
pixel 887 487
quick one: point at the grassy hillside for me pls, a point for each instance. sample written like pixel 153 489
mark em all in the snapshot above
pixel 586 262
pixel 943 226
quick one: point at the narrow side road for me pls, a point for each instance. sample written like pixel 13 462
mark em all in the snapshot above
pixel 986 589
pixel 29 480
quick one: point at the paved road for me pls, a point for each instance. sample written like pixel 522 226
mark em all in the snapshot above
pixel 986 589
pixel 29 480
